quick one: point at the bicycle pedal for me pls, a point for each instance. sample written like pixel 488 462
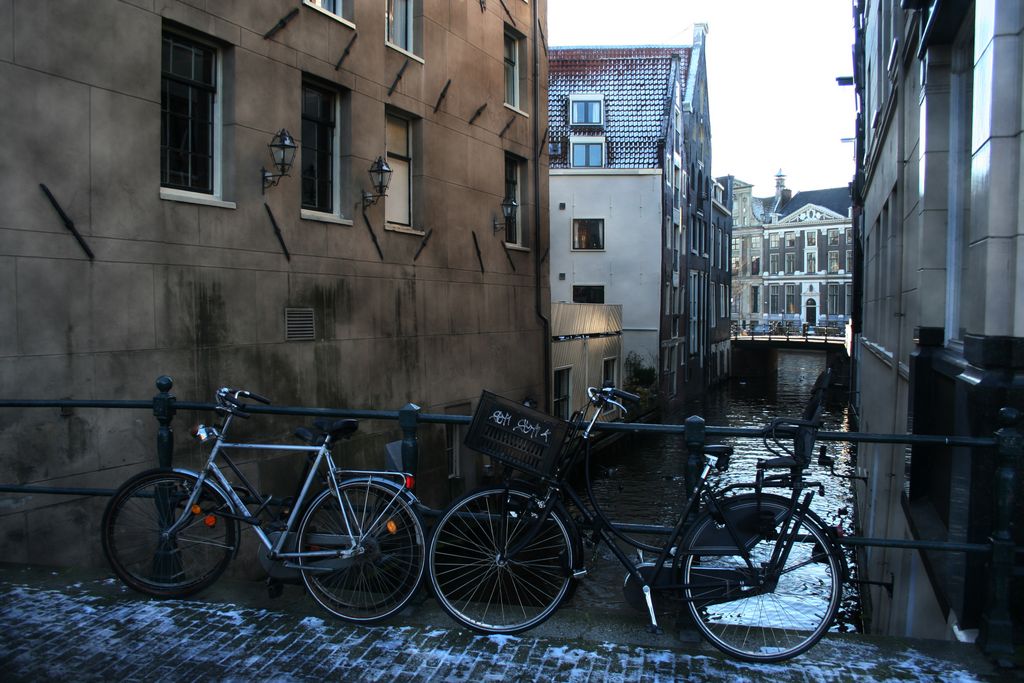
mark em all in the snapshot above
pixel 579 573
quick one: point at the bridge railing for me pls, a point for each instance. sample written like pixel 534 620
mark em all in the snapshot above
pixel 997 626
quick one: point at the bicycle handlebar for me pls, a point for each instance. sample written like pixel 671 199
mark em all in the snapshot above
pixel 227 399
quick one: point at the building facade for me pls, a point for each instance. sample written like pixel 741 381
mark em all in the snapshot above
pixel 792 261
pixel 199 259
pixel 632 205
pixel 939 234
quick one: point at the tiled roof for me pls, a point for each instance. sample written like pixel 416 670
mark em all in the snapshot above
pixel 834 198
pixel 635 84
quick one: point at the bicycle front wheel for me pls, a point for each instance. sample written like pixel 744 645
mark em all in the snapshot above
pixel 757 614
pixel 143 550
pixel 474 580
pixel 381 542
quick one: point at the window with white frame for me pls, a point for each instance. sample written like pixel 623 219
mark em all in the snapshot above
pixel 812 263
pixel 833 236
pixel 833 261
pixel 610 371
pixel 515 178
pixel 790 263
pixel 773 240
pixel 773 263
pixel 562 393
pixel 189 115
pixel 337 8
pixel 774 299
pixel 790 239
pixel 792 299
pixel 811 238
pixel 398 205
pixel 399 24
pixel 587 152
pixel 586 109
pixel 588 233
pixel 512 53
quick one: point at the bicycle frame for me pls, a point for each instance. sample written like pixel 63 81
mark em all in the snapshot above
pixel 241 512
pixel 594 518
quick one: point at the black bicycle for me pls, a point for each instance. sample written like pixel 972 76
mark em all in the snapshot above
pixel 760 573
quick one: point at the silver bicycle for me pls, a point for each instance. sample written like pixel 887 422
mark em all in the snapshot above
pixel 355 537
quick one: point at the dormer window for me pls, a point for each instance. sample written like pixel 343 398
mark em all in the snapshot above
pixel 587 152
pixel 586 109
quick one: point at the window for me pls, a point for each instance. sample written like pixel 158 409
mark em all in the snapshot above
pixel 400 24
pixel 773 263
pixel 848 264
pixel 562 393
pixel 337 8
pixel 811 238
pixel 790 263
pixel 773 240
pixel 832 300
pixel 188 115
pixel 774 303
pixel 790 239
pixel 588 233
pixel 792 299
pixel 833 236
pixel 588 294
pixel 511 69
pixel 514 182
pixel 833 261
pixel 398 206
pixel 319 152
pixel 588 153
pixel 586 110
pixel 812 264
pixel 755 299
pixel 610 371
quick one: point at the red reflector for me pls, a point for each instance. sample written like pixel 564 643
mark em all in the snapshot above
pixel 410 482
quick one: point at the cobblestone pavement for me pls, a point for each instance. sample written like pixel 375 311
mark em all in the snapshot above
pixel 82 625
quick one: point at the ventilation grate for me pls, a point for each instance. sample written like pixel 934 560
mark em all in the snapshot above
pixel 299 324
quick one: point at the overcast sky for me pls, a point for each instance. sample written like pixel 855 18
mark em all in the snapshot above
pixel 772 68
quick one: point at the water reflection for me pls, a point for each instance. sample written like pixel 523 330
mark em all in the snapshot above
pixel 641 478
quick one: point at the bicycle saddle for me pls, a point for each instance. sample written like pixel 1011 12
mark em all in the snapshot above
pixel 336 429
pixel 780 463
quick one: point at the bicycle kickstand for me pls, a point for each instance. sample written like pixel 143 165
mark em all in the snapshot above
pixel 653 626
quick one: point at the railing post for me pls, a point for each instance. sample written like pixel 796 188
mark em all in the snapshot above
pixel 996 636
pixel 163 409
pixel 696 438
pixel 408 417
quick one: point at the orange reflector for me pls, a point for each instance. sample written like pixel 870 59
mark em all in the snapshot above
pixel 196 509
pixel 410 482
pixel 210 520
pixel 392 526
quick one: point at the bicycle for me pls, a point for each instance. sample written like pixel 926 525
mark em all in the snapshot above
pixel 358 545
pixel 760 574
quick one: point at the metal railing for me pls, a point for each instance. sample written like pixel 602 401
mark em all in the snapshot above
pixel 996 637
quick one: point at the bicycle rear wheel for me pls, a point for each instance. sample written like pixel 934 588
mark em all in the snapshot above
pixel 477 585
pixel 791 609
pixel 147 558
pixel 385 537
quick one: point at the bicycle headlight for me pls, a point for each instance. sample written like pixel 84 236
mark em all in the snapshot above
pixel 203 433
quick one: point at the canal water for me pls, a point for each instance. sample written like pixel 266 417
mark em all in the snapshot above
pixel 640 478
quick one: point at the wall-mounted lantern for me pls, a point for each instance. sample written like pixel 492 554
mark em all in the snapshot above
pixel 508 210
pixel 380 178
pixel 282 151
